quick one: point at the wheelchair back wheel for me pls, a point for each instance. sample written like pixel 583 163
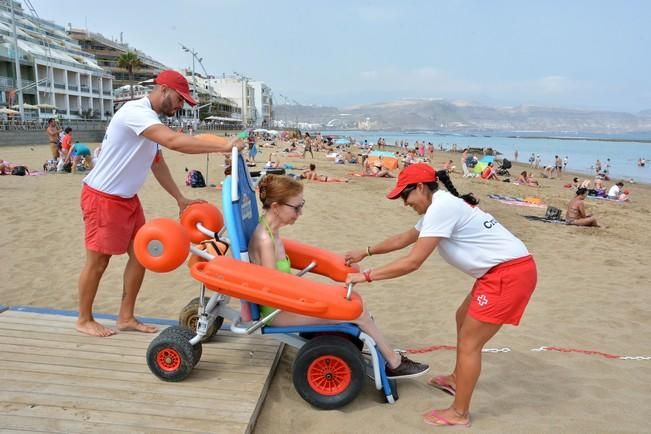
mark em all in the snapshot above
pixel 328 372
pixel 190 315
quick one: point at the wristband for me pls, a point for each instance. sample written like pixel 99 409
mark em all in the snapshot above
pixel 368 251
pixel 367 275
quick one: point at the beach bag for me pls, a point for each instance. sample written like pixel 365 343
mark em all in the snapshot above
pixel 196 179
pixel 553 213
pixel 19 171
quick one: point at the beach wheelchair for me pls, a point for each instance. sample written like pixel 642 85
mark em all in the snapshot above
pixel 332 360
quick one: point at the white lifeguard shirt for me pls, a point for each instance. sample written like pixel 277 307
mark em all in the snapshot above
pixel 471 239
pixel 126 156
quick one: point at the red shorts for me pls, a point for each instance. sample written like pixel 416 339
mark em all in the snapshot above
pixel 501 295
pixel 111 221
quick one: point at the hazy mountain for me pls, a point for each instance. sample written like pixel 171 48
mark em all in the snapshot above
pixel 439 114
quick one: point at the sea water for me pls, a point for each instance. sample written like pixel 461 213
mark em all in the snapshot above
pixel 581 153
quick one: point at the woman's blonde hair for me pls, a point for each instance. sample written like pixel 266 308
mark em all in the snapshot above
pixel 277 188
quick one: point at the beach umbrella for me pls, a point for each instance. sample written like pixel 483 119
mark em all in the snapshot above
pixel 479 167
pixel 487 159
pixel 46 106
pixel 8 111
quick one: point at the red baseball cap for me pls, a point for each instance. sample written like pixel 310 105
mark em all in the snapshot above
pixel 176 81
pixel 412 174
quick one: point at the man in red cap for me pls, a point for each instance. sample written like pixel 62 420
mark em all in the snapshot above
pixel 110 206
pixel 474 242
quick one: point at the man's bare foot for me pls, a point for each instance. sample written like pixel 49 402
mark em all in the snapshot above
pixel 94 328
pixel 135 325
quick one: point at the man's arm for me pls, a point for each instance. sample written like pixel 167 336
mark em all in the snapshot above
pixel 164 177
pixel 180 142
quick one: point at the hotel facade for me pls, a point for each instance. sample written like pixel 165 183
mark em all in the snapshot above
pixel 56 78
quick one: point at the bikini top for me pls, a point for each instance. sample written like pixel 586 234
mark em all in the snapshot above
pixel 282 265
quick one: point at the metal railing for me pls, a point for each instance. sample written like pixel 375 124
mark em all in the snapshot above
pixel 41 125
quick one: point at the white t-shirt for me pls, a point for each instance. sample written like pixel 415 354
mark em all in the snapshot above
pixel 126 156
pixel 614 191
pixel 471 239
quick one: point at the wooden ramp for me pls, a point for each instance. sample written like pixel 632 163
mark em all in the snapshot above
pixel 53 379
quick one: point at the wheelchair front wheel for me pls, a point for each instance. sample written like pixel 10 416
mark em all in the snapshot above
pixel 170 357
pixel 197 349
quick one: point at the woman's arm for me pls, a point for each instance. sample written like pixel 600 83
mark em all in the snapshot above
pixel 263 251
pixel 391 244
pixel 401 266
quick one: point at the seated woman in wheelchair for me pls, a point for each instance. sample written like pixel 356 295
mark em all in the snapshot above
pixel 282 204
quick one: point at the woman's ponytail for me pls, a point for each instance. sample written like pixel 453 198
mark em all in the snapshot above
pixel 443 176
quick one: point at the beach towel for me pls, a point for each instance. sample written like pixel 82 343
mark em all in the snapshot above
pixel 536 218
pixel 543 219
pixel 607 199
pixel 512 200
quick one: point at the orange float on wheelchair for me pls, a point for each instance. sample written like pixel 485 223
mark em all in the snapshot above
pixel 269 287
pixel 328 263
pixel 161 245
pixel 206 214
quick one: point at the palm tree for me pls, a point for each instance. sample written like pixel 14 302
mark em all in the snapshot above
pixel 129 61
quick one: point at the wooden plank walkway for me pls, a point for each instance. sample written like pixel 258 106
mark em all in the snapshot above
pixel 53 379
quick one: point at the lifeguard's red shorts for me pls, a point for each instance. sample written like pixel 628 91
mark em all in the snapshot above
pixel 111 221
pixel 501 295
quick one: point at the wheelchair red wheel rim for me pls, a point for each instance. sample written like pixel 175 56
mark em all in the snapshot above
pixel 329 375
pixel 168 359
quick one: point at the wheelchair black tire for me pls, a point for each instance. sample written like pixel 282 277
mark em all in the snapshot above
pixel 190 315
pixel 170 357
pixel 329 372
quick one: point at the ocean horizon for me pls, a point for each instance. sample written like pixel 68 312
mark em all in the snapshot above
pixel 581 151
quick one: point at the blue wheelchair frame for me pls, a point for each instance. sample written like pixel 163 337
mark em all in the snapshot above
pixel 240 211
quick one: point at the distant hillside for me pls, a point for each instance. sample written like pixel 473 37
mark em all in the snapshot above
pixel 422 114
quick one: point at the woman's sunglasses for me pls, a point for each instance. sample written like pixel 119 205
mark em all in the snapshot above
pixel 404 194
pixel 297 208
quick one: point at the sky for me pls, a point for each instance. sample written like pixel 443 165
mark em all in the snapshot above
pixel 572 54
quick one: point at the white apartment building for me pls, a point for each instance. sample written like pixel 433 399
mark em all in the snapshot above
pixel 263 104
pixel 242 93
pixel 57 77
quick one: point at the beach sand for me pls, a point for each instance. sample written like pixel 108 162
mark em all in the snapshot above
pixel 591 294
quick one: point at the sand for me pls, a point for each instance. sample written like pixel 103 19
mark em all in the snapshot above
pixel 592 294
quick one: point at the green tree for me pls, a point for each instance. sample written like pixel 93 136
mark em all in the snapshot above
pixel 129 61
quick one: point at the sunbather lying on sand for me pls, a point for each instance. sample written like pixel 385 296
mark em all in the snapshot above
pixel 313 176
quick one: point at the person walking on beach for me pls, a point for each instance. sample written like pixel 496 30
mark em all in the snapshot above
pixel 109 202
pixel 474 242
pixel 53 131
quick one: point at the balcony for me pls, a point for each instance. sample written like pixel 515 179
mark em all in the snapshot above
pixel 85 88
pixel 107 92
pixel 70 87
pixel 95 91
pixel 59 85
